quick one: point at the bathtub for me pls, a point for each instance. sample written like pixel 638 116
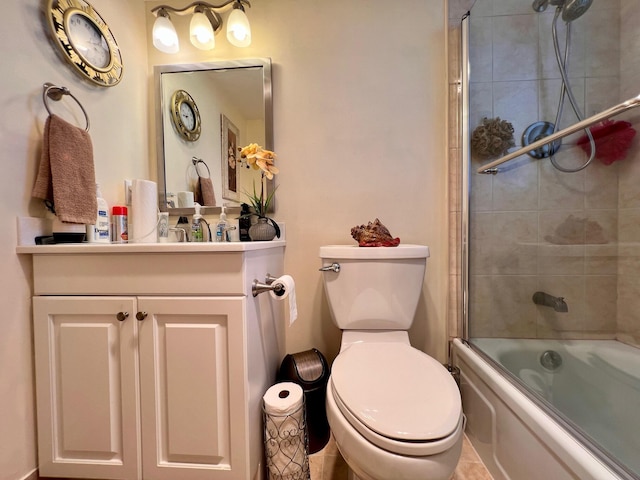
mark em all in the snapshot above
pixel 596 384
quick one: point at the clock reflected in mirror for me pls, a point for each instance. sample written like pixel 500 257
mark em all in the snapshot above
pixel 185 116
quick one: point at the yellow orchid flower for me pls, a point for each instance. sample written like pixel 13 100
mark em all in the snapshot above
pixel 260 159
pixel 250 149
pixel 268 168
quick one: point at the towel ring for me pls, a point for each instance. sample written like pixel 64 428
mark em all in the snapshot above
pixel 54 92
pixel 196 161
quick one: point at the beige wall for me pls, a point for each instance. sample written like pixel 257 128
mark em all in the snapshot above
pixel 119 134
pixel 359 132
pixel 360 129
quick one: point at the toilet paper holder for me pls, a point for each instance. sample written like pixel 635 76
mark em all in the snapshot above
pixel 269 285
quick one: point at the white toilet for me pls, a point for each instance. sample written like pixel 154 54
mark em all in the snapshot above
pixel 394 411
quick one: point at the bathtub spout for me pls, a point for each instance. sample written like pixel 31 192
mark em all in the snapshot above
pixel 546 300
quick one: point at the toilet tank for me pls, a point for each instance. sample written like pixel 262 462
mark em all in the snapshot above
pixel 376 288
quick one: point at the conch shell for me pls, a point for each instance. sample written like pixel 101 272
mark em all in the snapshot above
pixel 374 235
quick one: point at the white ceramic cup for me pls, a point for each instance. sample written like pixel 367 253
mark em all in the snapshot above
pixel 185 199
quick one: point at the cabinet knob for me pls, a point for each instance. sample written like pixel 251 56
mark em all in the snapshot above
pixel 122 316
pixel 141 315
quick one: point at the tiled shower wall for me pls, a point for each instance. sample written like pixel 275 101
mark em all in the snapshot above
pixel 628 306
pixel 534 228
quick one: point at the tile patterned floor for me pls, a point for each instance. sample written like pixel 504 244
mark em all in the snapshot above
pixel 327 464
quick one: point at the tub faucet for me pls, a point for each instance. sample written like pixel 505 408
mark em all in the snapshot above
pixel 546 300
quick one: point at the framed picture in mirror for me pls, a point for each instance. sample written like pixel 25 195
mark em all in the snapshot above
pixel 229 144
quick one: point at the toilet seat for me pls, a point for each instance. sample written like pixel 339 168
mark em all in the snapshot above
pixel 397 397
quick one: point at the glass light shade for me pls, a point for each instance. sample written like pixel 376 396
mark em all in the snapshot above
pixel 165 37
pixel 201 32
pixel 238 29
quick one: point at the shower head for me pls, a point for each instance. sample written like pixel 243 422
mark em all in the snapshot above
pixel 573 9
pixel 540 5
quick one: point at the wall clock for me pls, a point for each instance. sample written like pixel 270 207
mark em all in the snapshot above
pixel 185 115
pixel 85 41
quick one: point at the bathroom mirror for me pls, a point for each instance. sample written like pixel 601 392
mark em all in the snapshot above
pixel 230 103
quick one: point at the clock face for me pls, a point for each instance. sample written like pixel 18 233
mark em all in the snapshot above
pixel 84 39
pixel 88 40
pixel 188 117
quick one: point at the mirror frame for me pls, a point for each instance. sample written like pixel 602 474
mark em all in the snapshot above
pixel 267 96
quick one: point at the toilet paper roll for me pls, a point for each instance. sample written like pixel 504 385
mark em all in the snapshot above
pixel 283 398
pixel 289 294
pixel 185 199
pixel 144 206
pixel 285 446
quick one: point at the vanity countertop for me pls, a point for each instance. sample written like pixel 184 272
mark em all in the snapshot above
pixel 107 248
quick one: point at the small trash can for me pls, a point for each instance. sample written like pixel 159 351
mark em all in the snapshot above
pixel 311 371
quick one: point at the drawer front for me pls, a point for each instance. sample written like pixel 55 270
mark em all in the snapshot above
pixel 139 274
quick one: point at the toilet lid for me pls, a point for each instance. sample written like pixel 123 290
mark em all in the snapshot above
pixel 397 391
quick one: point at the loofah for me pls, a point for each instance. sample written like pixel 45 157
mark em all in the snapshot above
pixel 612 138
pixel 492 137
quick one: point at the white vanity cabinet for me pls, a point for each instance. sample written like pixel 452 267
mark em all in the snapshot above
pixel 152 365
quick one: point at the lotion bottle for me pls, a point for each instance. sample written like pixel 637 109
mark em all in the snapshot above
pixel 197 233
pixel 99 232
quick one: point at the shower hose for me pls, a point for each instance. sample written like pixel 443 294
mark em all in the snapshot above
pixel 566 90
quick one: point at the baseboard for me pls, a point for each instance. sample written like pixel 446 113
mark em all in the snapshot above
pixel 32 476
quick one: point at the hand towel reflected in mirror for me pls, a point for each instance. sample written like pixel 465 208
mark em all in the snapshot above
pixel 66 175
pixel 204 188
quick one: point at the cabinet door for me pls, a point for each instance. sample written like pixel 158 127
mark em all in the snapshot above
pixel 193 388
pixel 86 385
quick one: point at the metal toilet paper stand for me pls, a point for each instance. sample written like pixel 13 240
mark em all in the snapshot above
pixel 286 445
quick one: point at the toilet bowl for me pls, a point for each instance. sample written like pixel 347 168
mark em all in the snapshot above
pixel 394 411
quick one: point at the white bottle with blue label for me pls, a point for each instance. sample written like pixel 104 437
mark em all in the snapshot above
pixel 221 227
pixel 100 232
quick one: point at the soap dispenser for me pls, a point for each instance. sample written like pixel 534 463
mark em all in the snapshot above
pixel 221 227
pixel 244 223
pixel 197 232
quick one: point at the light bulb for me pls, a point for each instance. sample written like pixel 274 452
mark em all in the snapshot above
pixel 238 29
pixel 201 32
pixel 165 37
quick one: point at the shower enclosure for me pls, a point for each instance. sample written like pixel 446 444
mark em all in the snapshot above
pixel 551 233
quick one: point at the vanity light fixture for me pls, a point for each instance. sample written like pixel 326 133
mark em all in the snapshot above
pixel 165 37
pixel 205 23
pixel 238 29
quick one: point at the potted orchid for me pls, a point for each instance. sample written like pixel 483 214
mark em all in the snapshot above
pixel 260 159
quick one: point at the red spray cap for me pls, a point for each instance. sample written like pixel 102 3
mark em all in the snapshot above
pixel 119 210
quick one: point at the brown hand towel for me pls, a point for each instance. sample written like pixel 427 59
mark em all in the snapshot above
pixel 206 189
pixel 66 174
